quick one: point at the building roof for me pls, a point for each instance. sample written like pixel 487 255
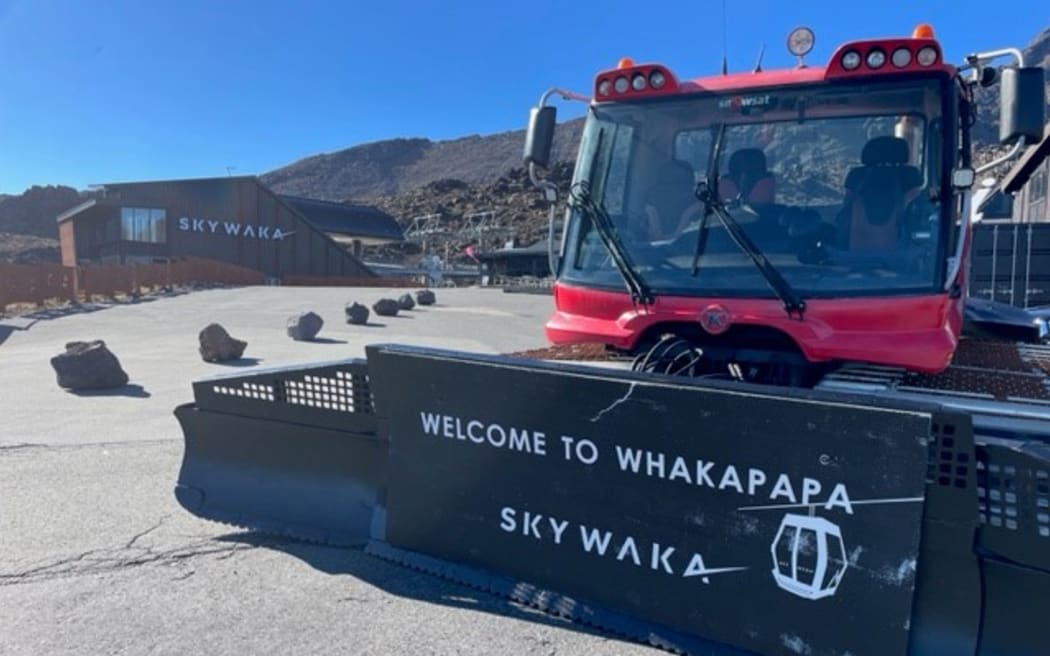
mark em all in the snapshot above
pixel 1027 165
pixel 346 219
pixel 537 249
pixel 131 183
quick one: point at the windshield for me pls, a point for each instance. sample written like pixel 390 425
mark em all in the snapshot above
pixel 837 186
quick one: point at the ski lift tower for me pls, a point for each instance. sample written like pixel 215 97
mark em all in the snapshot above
pixel 484 227
pixel 427 229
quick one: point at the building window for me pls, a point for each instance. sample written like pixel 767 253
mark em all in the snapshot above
pixel 1037 186
pixel 143 224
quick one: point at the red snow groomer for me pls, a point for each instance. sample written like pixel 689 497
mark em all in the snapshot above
pixel 780 222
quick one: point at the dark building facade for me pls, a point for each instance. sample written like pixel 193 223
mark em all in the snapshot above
pixel 236 220
pixel 517 262
pixel 1028 180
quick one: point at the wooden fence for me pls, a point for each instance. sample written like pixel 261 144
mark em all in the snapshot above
pixel 38 283
pixel 302 280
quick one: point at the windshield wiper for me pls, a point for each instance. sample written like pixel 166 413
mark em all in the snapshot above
pixel 710 190
pixel 707 193
pixel 603 224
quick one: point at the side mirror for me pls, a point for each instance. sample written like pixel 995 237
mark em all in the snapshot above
pixel 1022 104
pixel 540 136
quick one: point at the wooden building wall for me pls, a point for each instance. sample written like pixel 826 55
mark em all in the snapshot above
pixel 208 218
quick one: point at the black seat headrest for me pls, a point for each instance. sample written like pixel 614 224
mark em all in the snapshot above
pixel 909 176
pixel 885 151
pixel 750 161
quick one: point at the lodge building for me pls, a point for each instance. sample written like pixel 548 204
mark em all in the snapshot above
pixel 236 220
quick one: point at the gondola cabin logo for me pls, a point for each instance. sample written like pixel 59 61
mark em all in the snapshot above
pixel 233 229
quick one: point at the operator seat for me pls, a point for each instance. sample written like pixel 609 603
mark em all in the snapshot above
pixel 877 194
pixel 673 191
pixel 748 180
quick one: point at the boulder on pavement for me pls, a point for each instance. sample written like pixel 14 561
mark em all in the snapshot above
pixel 425 297
pixel 88 366
pixel 386 307
pixel 357 314
pixel 218 346
pixel 304 327
pixel 406 302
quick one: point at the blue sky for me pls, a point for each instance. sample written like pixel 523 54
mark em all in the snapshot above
pixel 113 90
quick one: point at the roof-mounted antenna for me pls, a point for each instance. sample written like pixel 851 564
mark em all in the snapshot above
pixel 758 64
pixel 725 41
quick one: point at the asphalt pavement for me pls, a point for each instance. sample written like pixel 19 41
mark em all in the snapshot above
pixel 97 558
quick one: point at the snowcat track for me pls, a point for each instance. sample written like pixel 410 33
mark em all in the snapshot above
pixel 553 603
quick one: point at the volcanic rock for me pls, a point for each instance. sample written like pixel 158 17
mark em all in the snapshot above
pixel 304 327
pixel 218 346
pixel 357 314
pixel 88 366
pixel 386 307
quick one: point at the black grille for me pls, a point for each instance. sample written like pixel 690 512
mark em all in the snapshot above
pixel 950 461
pixel 340 392
pixel 326 395
pixel 1012 494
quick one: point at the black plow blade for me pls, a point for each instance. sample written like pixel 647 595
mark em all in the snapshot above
pixel 286 451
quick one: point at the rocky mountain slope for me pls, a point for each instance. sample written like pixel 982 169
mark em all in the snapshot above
pixel 28 249
pixel 34 212
pixel 396 166
pixel 28 232
pixel 515 202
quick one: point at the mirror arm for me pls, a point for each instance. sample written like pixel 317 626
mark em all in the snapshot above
pixel 564 93
pixel 1017 147
pixel 955 261
pixel 552 257
pixel 977 60
pixel 549 189
pixel 976 63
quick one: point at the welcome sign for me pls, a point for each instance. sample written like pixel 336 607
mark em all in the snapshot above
pixel 780 524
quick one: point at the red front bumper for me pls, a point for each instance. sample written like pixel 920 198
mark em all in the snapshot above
pixel 919 333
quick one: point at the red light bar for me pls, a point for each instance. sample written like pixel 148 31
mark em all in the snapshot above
pixel 641 81
pixel 885 56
